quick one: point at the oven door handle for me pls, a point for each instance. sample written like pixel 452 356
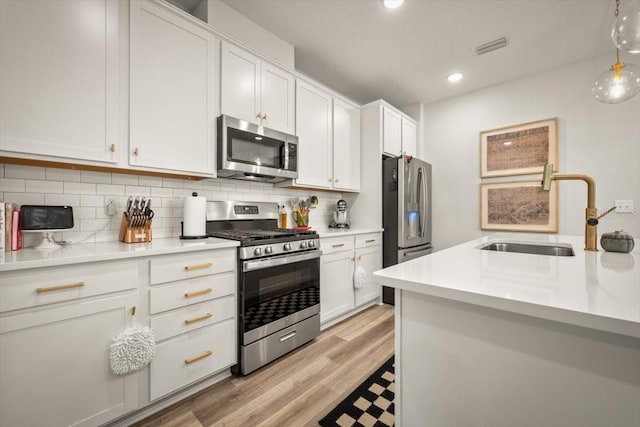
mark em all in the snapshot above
pixel 280 260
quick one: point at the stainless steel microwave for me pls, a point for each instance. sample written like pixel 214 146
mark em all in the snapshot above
pixel 255 153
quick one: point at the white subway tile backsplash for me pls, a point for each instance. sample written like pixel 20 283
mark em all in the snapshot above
pixel 79 188
pixel 172 183
pixel 95 224
pixel 172 202
pixel 110 189
pixel 95 201
pixel 62 199
pixel 2 170
pixel 95 177
pixel 78 236
pixel 12 185
pixel 36 186
pixel 106 236
pixel 161 192
pixel 25 172
pixel 150 181
pixel 195 185
pixel 53 174
pixel 118 178
pixel 24 198
pixel 80 213
pixel 132 190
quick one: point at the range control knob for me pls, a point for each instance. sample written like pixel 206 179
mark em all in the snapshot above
pixel 257 251
pixel 287 246
pixel 312 243
pixel 268 250
pixel 303 245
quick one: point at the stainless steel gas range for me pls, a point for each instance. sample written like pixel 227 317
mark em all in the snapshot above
pixel 278 281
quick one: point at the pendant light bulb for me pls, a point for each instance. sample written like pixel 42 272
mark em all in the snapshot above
pixel 618 84
pixel 626 28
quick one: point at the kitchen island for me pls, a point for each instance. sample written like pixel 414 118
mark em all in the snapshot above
pixel 487 338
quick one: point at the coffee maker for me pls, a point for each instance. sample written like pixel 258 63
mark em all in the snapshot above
pixel 340 216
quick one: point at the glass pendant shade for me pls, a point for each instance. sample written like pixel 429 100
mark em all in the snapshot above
pixel 617 84
pixel 626 29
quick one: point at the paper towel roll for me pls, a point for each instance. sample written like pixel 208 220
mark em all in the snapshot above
pixel 195 217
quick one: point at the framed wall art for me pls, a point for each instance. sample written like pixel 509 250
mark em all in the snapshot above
pixel 519 206
pixel 519 150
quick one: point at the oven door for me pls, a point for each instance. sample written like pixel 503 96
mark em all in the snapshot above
pixel 277 292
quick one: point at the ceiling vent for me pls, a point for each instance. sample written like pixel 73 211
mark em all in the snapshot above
pixel 491 46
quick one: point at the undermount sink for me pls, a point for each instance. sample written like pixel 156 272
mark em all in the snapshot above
pixel 553 249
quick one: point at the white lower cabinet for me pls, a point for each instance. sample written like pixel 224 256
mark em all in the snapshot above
pixel 54 364
pixel 341 257
pixel 194 319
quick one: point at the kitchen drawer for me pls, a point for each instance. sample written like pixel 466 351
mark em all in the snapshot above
pixel 172 323
pixel 189 357
pixel 188 292
pixel 369 239
pixel 336 244
pixel 47 286
pixel 193 264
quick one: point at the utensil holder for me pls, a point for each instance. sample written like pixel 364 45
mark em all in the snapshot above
pixel 129 234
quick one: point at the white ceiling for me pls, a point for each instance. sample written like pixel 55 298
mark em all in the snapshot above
pixel 367 52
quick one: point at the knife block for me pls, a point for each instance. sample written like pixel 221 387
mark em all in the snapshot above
pixel 129 234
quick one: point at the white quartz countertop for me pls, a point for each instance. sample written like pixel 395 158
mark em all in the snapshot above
pixel 73 254
pixel 599 290
pixel 334 232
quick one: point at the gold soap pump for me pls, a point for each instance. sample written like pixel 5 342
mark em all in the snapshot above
pixel 591 214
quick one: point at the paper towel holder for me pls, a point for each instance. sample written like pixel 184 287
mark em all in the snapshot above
pixel 182 236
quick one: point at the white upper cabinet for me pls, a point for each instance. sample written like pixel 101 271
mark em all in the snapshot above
pixel 256 91
pixel 313 113
pixel 409 137
pixel 392 132
pixel 346 145
pixel 172 96
pixel 59 78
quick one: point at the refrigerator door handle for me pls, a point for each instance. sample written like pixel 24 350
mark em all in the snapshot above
pixel 422 201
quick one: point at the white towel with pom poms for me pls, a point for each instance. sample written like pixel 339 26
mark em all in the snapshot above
pixel 359 278
pixel 132 350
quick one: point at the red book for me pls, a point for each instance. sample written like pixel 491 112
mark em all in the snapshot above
pixel 16 233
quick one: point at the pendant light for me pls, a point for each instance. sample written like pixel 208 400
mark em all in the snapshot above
pixel 620 83
pixel 626 28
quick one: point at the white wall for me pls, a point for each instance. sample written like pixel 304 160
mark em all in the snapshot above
pixel 596 139
pixel 88 193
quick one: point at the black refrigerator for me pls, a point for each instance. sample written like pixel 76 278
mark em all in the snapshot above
pixel 406 212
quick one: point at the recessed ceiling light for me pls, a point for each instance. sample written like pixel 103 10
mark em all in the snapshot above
pixel 455 77
pixel 392 4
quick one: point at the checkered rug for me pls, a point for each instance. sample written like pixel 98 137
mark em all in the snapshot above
pixel 370 405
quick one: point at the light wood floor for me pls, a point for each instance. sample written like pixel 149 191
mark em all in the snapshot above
pixel 298 389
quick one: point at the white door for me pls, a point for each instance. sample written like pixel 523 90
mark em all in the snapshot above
pixel 313 126
pixel 54 365
pixel 277 98
pixel 240 84
pixel 346 146
pixel 336 285
pixel 370 259
pixel 172 115
pixel 59 78
pixel 409 137
pixel 391 132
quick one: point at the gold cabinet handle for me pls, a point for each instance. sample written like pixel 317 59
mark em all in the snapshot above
pixel 338 245
pixel 197 293
pixel 259 116
pixel 113 148
pixel 197 319
pixel 61 287
pixel 336 180
pixel 359 257
pixel 197 266
pixel 136 151
pixel 264 116
pixel 370 240
pixel 200 357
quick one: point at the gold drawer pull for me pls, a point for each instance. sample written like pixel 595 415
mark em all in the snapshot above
pixel 337 245
pixel 197 266
pixel 195 359
pixel 197 293
pixel 370 240
pixel 197 319
pixel 61 287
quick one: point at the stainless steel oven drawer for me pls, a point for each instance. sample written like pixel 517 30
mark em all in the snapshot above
pixel 259 353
